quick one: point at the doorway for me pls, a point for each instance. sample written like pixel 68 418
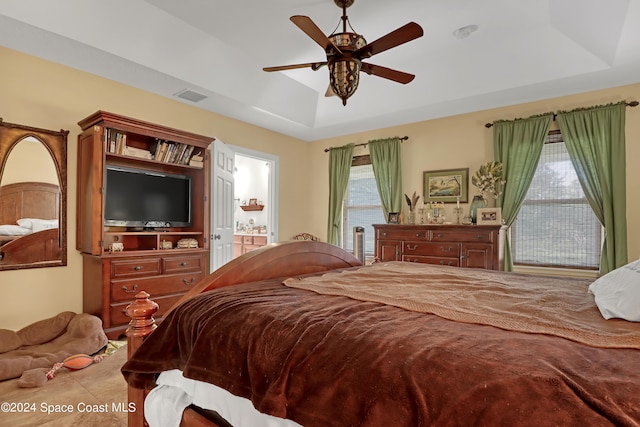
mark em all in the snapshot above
pixel 253 202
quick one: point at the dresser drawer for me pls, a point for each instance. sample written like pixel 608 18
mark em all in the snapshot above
pixel 453 262
pixel 260 240
pixel 125 290
pixel 461 236
pixel 445 249
pixel 181 264
pixel 401 234
pixel 119 315
pixel 135 267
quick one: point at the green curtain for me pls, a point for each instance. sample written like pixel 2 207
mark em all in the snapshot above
pixel 387 168
pixel 517 144
pixel 595 140
pixel 339 167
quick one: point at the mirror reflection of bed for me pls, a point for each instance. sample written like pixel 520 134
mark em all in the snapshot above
pixel 29 223
pixel 33 166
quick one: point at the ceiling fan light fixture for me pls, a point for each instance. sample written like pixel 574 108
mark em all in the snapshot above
pixel 345 50
pixel 344 76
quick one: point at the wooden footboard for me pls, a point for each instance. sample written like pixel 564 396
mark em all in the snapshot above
pixel 286 259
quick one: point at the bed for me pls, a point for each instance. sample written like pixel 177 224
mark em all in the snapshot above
pixel 29 215
pixel 307 336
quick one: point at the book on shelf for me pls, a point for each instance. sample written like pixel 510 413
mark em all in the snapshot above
pixel 116 141
pixel 138 152
pixel 171 152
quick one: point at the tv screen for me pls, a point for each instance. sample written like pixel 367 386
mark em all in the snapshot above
pixel 140 198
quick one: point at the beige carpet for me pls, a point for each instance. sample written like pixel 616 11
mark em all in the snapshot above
pixel 94 396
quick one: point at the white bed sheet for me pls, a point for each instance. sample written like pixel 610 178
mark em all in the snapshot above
pixel 164 405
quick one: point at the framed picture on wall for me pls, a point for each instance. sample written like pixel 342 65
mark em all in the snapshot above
pixel 489 216
pixel 446 186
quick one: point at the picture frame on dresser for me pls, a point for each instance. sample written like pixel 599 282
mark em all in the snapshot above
pixel 394 218
pixel 446 186
pixel 489 216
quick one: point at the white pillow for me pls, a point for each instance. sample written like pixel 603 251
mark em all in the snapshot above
pixel 43 224
pixel 617 293
pixel 14 230
pixel 37 224
pixel 25 222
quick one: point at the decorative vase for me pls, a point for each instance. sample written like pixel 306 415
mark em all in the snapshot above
pixel 477 202
pixel 412 217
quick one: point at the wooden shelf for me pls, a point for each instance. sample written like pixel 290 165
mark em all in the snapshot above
pixel 252 207
pixel 110 279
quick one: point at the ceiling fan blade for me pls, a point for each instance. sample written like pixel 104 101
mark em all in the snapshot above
pixel 311 29
pixel 313 65
pixel 404 34
pixel 387 73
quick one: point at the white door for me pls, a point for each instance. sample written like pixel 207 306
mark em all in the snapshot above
pixel 221 205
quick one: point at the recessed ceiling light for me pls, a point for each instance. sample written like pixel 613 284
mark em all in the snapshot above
pixel 464 32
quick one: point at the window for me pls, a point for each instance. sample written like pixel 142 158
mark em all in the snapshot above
pixel 362 206
pixel 556 227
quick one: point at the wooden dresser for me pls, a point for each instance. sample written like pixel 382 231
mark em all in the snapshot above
pixel 151 259
pixel 468 246
pixel 243 243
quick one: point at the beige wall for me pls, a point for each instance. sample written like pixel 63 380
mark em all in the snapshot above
pixel 47 95
pixel 43 94
pixel 464 142
pixel 32 152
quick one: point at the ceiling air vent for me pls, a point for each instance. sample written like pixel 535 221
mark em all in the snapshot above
pixel 190 95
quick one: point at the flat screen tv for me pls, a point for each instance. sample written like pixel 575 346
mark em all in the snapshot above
pixel 147 199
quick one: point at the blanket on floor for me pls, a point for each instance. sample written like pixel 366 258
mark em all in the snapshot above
pixel 49 341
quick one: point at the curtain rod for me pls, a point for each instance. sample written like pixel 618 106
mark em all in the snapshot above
pixel 326 150
pixel 628 104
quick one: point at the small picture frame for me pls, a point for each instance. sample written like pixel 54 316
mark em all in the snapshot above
pixel 394 218
pixel 489 216
pixel 253 202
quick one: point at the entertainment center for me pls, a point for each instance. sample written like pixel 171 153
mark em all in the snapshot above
pixel 142 214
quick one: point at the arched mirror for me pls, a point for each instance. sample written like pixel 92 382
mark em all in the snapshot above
pixel 33 197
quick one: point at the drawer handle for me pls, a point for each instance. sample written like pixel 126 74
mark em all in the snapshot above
pixel 450 263
pixel 412 248
pixel 418 235
pixel 189 282
pixel 138 267
pixel 479 237
pixel 126 290
pixel 439 235
pixel 184 264
pixel 442 249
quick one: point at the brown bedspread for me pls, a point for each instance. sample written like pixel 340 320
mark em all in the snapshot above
pixel 335 361
pixel 516 302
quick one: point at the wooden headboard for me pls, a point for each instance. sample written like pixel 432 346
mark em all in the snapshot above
pixel 29 200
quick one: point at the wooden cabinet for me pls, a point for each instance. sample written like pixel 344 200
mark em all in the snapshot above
pixel 469 246
pixel 147 259
pixel 243 243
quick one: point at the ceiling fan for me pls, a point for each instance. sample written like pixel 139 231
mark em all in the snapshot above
pixel 346 50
